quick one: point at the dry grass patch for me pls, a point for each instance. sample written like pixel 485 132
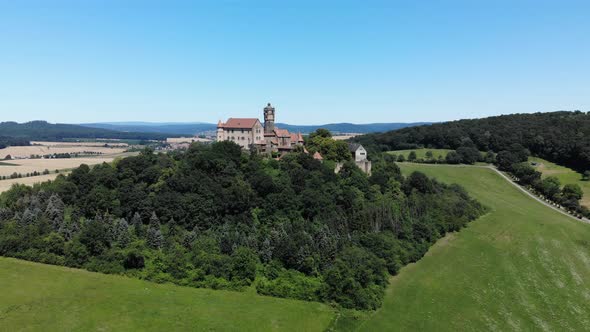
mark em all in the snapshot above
pixel 6 184
pixel 24 166
pixel 27 151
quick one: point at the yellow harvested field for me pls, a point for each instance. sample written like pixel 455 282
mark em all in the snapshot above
pixel 24 166
pixel 6 184
pixel 345 137
pixel 97 144
pixel 27 151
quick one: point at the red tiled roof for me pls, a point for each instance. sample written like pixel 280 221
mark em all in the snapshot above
pixel 317 156
pixel 293 137
pixel 238 123
pixel 282 132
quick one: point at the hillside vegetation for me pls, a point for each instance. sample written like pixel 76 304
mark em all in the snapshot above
pixel 38 297
pixel 521 267
pixel 215 217
pixel 560 137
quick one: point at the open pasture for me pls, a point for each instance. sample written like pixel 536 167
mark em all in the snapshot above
pixel 521 267
pixel 38 297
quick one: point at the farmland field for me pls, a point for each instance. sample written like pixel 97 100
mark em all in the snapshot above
pixel 29 181
pixel 521 267
pixel 95 144
pixel 565 176
pixel 56 147
pixel 38 297
pixel 24 166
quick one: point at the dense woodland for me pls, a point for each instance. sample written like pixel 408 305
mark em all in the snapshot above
pixel 18 134
pixel 6 141
pixel 213 216
pixel 561 137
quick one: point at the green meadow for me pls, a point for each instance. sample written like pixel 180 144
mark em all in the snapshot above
pixel 38 297
pixel 521 267
pixel 565 176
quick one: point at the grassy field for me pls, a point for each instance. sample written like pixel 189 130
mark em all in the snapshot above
pixel 522 267
pixel 421 153
pixel 37 297
pixel 565 176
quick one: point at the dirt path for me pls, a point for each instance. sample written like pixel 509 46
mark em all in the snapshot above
pixel 514 184
pixel 535 197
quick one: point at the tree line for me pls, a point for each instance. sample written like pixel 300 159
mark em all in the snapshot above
pixel 213 216
pixel 6 141
pixel 561 137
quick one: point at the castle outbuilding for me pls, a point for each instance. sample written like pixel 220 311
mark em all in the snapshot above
pixel 249 133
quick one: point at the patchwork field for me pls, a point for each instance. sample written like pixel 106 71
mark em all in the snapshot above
pixel 522 267
pixel 58 147
pixel 38 297
pixel 29 181
pixel 565 176
pixel 24 166
pixel 112 143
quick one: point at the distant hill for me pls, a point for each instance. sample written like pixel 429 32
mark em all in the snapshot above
pixel 200 127
pixel 42 130
pixel 182 129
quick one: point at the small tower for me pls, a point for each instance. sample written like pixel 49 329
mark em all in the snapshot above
pixel 220 136
pixel 269 119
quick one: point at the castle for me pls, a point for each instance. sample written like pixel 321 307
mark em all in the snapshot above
pixel 249 133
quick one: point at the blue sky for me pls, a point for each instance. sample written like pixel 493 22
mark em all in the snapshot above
pixel 317 61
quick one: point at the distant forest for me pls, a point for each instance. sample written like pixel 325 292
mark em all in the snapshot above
pixel 213 216
pixel 12 133
pixel 562 137
pixel 13 141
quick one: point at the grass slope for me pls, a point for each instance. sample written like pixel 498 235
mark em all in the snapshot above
pixel 38 297
pixel 522 267
pixel 565 176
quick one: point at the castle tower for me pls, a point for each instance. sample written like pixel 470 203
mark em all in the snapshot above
pixel 269 119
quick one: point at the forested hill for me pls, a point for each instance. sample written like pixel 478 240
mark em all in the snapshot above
pixel 213 216
pixel 561 137
pixel 42 130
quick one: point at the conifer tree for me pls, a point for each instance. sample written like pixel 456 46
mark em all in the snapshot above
pixel 55 211
pixel 172 225
pixel 137 224
pixel 28 218
pixel 122 233
pixel 154 233
pixel 5 214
